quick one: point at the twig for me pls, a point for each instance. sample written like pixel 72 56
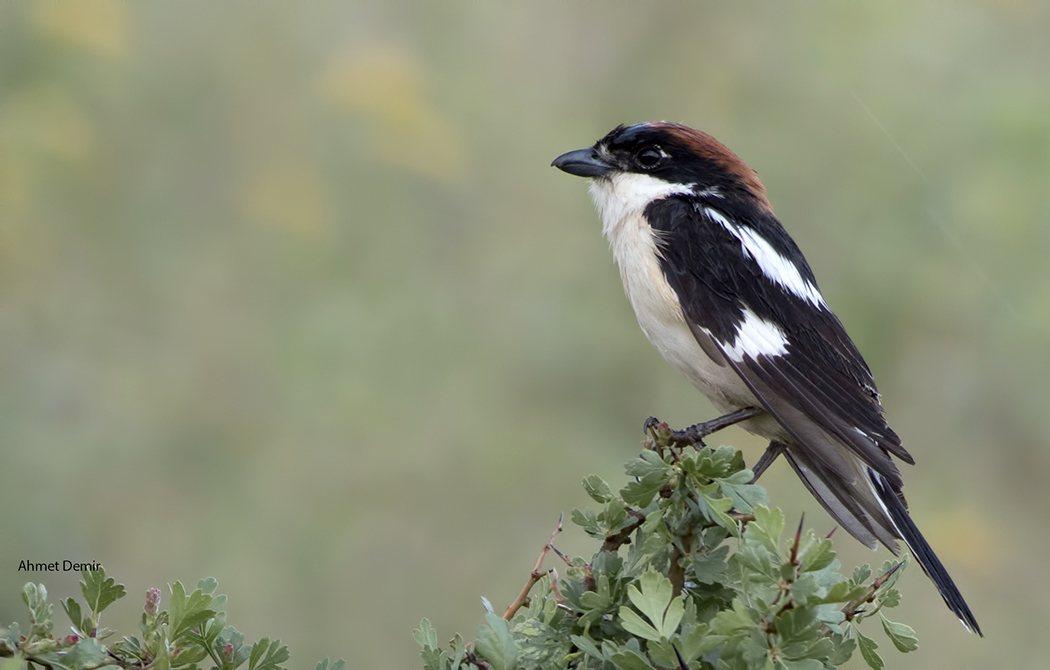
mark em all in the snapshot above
pixel 675 571
pixel 798 538
pixel 558 597
pixel 477 662
pixel 536 574
pixel 568 561
pixel 614 542
pixel 852 608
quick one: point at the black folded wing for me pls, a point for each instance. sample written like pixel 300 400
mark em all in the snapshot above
pixel 735 268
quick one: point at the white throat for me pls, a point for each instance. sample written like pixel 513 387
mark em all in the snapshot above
pixel 625 195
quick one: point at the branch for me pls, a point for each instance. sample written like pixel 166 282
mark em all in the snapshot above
pixel 536 574
pixel 852 608
pixel 614 542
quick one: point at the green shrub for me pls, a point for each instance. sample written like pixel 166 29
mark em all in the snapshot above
pixel 693 572
pixel 189 635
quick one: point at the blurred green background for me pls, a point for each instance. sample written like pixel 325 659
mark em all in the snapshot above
pixel 289 295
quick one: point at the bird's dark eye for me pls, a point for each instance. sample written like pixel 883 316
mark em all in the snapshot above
pixel 650 157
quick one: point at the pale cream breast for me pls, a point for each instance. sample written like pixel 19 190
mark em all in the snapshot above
pixel 621 201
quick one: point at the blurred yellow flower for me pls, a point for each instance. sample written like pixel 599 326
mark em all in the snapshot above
pixel 289 196
pixel 386 86
pixel 98 25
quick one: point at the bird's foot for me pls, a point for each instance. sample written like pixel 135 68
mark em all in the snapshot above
pixel 659 435
pixel 768 456
pixel 694 435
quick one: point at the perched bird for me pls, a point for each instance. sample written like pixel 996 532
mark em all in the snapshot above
pixel 723 292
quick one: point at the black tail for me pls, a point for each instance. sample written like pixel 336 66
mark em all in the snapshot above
pixel 923 553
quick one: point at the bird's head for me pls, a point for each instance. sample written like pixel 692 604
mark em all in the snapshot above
pixel 657 154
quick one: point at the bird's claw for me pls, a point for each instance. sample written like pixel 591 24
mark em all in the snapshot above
pixel 650 424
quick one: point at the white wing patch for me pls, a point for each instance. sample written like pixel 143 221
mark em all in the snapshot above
pixel 775 267
pixel 756 337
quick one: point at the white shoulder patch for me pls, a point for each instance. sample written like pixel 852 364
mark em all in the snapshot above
pixel 756 337
pixel 775 267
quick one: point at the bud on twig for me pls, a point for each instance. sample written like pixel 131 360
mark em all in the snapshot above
pixel 152 602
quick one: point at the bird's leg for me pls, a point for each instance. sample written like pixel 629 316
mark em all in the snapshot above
pixel 695 434
pixel 768 456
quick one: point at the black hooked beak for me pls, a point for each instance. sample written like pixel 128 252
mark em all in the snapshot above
pixel 582 163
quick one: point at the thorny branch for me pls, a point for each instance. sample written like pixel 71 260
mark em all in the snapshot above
pixel 537 574
pixel 853 607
